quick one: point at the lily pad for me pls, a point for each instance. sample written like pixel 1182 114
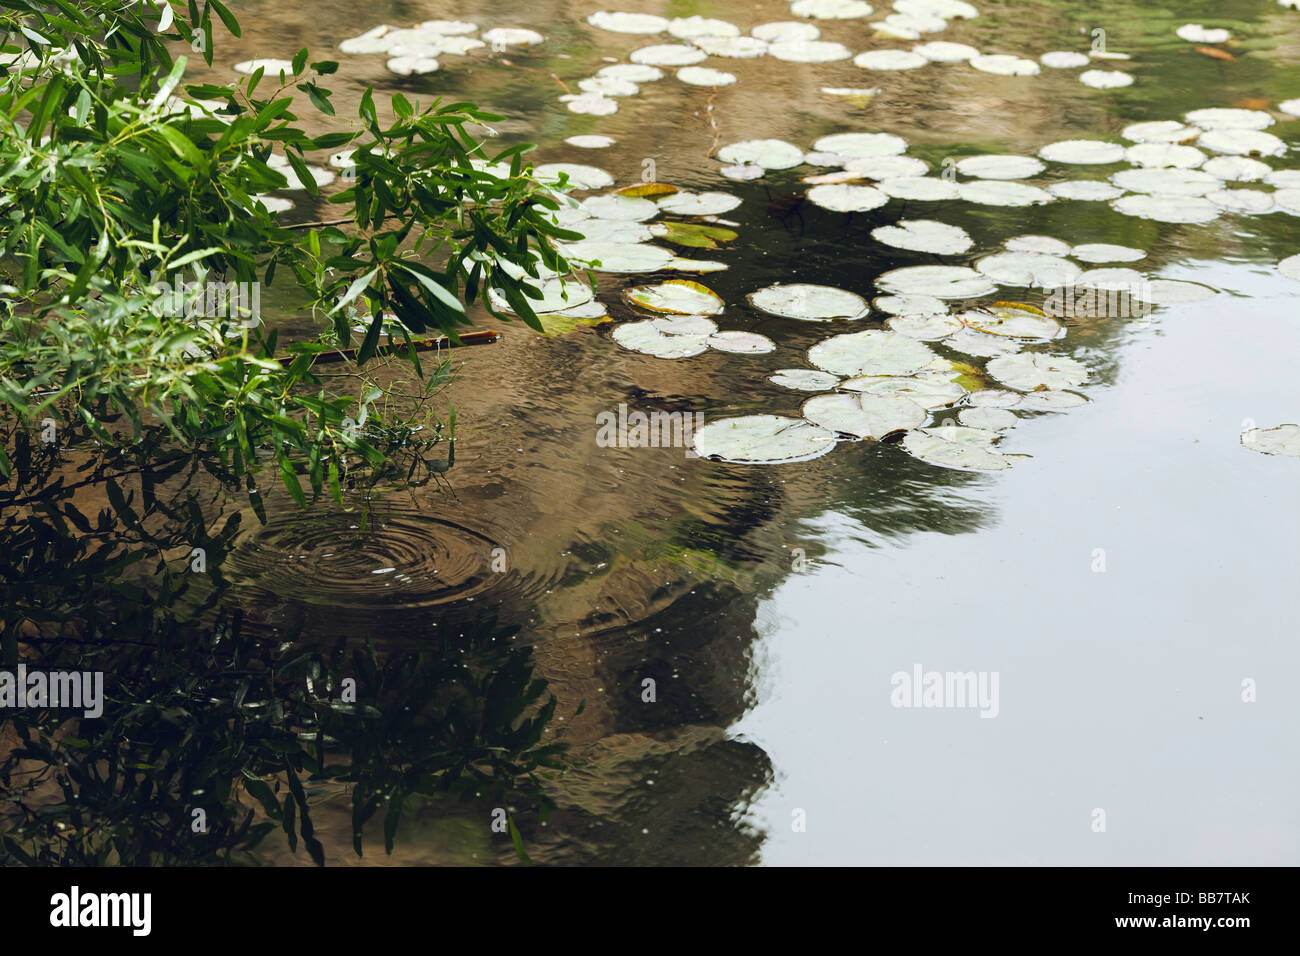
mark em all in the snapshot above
pixel 1089 190
pixel 813 303
pixel 676 296
pixel 1236 169
pixel 910 305
pixel 668 54
pixel 272 66
pixel 645 338
pixel 919 188
pixel 889 60
pixel 1051 400
pixel 633 72
pixel 831 9
pixel 989 419
pixel 1175 292
pixel 862 145
pixel 1195 33
pixel 991 192
pixel 692 234
pixel 1290 267
pixel 742 173
pixel 742 343
pixel 591 104
pixel 705 76
pixel 785 30
pixel 1004 64
pixel 943 51
pixel 941 282
pixel 1105 79
pixel 926 328
pixel 1043 245
pixel 625 208
pixel 862 415
pixel 929 392
pixel 1028 269
pixel 557 295
pixel 1087 152
pixel 809 51
pixel 1167 208
pixel 1242 142
pixel 1012 322
pixel 1229 118
pixel 762 440
pixel 699 204
pixel 957 446
pixel 994 398
pixel 1064 59
pixel 886 167
pixel 981 344
pixel 686 28
pixel 924 235
pixel 1241 200
pixel 1105 252
pixel 1030 370
pixel 512 36
pixel 1160 131
pixel 844 197
pixel 619 257
pixel 1166 182
pixel 764 153
pixel 591 142
pixel 579 176
pixel 1164 154
pixel 739 48
pixel 804 379
pixel 1279 440
pixel 685 325
pixel 640 23
pixel 1001 166
pixel 873 352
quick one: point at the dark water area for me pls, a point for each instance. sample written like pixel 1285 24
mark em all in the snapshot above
pixel 1121 583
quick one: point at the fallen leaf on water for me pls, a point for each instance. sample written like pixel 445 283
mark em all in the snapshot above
pixel 1215 52
pixel 1253 104
pixel 642 190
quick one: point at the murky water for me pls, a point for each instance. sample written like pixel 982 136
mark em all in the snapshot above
pixel 1121 583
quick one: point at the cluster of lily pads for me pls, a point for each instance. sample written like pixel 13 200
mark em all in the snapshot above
pixel 415 50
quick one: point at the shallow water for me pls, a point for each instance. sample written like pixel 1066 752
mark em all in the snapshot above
pixel 772 604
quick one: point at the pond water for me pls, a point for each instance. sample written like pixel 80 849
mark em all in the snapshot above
pixel 1126 593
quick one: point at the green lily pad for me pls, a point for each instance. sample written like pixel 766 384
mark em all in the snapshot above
pixel 863 415
pixel 873 352
pixel 677 297
pixel 762 440
pixel 1279 440
pixel 957 446
pixel 813 303
pixel 1030 370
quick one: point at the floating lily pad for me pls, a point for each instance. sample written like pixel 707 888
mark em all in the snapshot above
pixel 645 338
pixel 705 76
pixel 620 207
pixel 1030 370
pixel 1236 169
pixel 699 204
pixel 1043 245
pixel 994 398
pixel 1012 322
pixel 1167 208
pixel 1164 154
pixel 1195 33
pixel 692 234
pixel 785 30
pixel 1089 190
pixel 591 104
pixel 943 51
pixel 1279 440
pixel 809 51
pixel 579 176
pixel 921 188
pixel 619 257
pixel 1087 152
pixel 742 173
pixel 927 328
pixel 1105 79
pixel 1288 200
pixel 1105 252
pixel 742 343
pixel 608 86
pixel 642 23
pixel 989 419
pixel 557 295
pixel 1051 400
pixel 1242 142
pixel 873 352
pixel 591 142
pixel 844 197
pixel 889 60
pixel 1160 131
pixel 676 296
pixel 862 145
pixel 1166 182
pixel 1028 269
pixel 957 446
pixel 1004 65
pixel 911 305
pixel 273 204
pixel 762 440
pixel 981 344
pixel 764 153
pixel 615 230
pixel 804 379
pixel 739 48
pixel 862 415
pixel 668 54
pixel 633 72
pixel 886 167
pixel 512 36
pixel 1064 59
pixel 1283 178
pixel 1241 200
pixel 411 65
pixel 929 392
pixel 1229 118
pixel 941 282
pixel 991 192
pixel 1290 267
pixel 687 28
pixel 685 325
pixel 815 303
pixel 272 66
pixel 1001 166
pixel 830 9
pixel 924 235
